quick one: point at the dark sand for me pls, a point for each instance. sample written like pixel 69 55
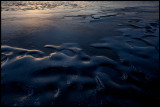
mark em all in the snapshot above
pixel 80 53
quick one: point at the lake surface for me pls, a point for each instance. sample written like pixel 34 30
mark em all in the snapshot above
pixel 77 53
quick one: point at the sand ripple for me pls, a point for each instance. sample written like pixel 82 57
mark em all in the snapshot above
pixel 68 75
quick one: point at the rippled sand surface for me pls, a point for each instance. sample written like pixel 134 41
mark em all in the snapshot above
pixel 80 53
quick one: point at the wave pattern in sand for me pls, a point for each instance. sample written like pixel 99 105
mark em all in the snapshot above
pixel 67 75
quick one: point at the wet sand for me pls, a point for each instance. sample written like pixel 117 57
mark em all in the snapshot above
pixel 80 53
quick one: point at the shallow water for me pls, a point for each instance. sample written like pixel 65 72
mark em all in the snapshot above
pixel 80 53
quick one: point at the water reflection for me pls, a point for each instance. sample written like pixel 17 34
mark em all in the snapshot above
pixel 65 21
